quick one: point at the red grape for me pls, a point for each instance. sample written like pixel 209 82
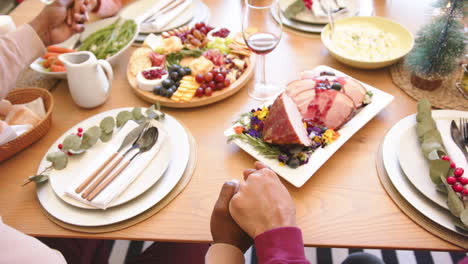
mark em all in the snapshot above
pixel 199 92
pixel 219 78
pixel 220 86
pixel 199 78
pixel 204 85
pixel 204 30
pixel 208 91
pixel 211 85
pixel 227 82
pixel 209 77
pixel 199 25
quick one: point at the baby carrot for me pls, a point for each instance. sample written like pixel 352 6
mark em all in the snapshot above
pixel 57 68
pixel 50 54
pixel 58 49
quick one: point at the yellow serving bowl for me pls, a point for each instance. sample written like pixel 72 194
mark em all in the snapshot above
pixel 404 40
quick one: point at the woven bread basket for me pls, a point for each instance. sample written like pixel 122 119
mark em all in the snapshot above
pixel 23 96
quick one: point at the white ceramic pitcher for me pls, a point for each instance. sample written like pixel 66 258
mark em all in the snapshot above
pixel 89 79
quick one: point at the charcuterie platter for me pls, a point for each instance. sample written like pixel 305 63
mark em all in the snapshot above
pixel 190 66
pixel 305 125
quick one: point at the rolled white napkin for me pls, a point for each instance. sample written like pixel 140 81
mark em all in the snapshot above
pixel 453 151
pixel 126 177
pixel 162 21
pixel 7 133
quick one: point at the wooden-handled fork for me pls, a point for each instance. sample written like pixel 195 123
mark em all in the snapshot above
pixel 146 142
pixel 131 137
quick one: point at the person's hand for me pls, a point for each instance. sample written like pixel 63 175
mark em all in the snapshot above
pixel 223 227
pixel 59 20
pixel 262 202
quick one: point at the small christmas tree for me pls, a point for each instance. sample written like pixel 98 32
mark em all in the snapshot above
pixel 438 46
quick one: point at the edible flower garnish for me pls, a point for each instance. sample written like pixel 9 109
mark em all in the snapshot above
pixel 330 136
pixel 249 128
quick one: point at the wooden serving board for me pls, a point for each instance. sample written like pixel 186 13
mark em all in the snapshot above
pixel 195 102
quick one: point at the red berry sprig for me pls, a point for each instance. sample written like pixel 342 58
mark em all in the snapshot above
pixel 456 180
pixel 308 4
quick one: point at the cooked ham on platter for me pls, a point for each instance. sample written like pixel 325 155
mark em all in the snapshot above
pixel 348 85
pixel 329 108
pixel 284 123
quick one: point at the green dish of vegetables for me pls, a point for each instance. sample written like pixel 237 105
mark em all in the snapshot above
pixel 108 41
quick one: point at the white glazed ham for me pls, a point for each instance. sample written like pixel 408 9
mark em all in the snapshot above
pixel 284 123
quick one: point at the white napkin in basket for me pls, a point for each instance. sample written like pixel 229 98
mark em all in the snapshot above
pixel 126 177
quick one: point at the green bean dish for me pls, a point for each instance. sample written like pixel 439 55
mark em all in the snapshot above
pixel 107 41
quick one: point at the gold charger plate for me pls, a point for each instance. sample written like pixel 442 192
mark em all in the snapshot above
pixel 195 102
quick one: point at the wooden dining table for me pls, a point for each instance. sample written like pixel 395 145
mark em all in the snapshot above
pixel 342 205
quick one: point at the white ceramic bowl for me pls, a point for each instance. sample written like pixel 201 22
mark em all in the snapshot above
pixel 89 29
pixel 404 38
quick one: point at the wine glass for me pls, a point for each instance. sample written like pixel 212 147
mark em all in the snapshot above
pixel 262 34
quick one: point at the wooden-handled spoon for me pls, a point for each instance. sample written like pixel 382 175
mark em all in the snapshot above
pixel 129 138
pixel 146 142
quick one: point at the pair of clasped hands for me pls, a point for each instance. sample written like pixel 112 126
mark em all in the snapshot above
pixel 247 209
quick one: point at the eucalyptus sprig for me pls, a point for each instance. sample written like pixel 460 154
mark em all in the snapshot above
pixel 76 144
pixel 433 150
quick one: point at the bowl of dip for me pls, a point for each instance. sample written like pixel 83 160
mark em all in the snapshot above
pixel 367 42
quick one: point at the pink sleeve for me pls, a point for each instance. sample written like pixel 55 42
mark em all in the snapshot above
pixel 17 247
pixel 17 50
pixel 107 8
pixel 281 246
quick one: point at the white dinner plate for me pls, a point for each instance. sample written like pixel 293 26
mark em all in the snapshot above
pixel 425 206
pixel 60 179
pixel 415 165
pixel 307 15
pixel 300 175
pixel 139 8
pixel 84 217
pixel 366 9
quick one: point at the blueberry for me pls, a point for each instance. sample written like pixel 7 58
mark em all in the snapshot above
pixel 175 76
pixel 174 67
pixel 294 163
pixel 167 83
pixel 174 88
pixel 157 89
pixel 327 73
pixel 170 92
pixel 187 71
pixel 182 72
pixel 336 86
pixel 177 84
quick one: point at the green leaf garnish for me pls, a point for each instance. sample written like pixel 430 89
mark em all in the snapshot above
pixel 294 9
pixel 269 151
pixel 72 142
pixel 137 114
pixel 123 117
pixel 38 178
pixel 90 137
pixel 107 124
pixel 58 159
pixel 105 137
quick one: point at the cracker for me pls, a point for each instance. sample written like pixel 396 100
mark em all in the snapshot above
pixel 140 60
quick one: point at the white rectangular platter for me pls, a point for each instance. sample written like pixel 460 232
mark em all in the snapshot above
pixel 299 176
